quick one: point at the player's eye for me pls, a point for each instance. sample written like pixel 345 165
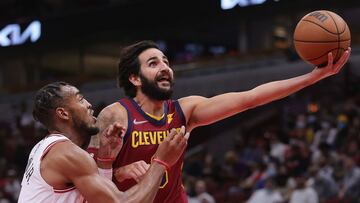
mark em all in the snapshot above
pixel 152 64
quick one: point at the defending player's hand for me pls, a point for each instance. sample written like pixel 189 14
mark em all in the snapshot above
pixel 332 68
pixel 134 171
pixel 111 140
pixel 173 146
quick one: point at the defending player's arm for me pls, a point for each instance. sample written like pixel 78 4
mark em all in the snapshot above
pixel 67 163
pixel 202 111
pixel 82 171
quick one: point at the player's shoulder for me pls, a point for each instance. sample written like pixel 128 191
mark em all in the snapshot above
pixel 68 156
pixel 113 109
pixel 68 151
pixel 190 100
pixel 69 161
pixel 114 112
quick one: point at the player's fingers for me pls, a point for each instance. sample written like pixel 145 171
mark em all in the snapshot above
pixel 187 135
pixel 123 132
pixel 118 130
pixel 147 166
pixel 142 164
pixel 133 175
pixel 171 134
pixel 330 59
pixel 138 172
pixel 183 141
pixel 143 168
pixel 181 144
pixel 182 130
pixel 178 137
pixel 109 130
pixel 344 58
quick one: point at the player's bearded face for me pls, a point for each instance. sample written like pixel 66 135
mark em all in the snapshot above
pixel 153 90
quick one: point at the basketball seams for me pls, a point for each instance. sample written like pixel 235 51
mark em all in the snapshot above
pixel 338 34
pixel 320 26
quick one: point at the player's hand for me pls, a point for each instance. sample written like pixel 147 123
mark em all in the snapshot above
pixel 111 140
pixel 134 171
pixel 173 146
pixel 332 68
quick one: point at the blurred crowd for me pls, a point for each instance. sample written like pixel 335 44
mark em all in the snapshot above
pixel 310 154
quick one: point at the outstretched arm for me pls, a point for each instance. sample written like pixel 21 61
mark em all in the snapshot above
pixel 202 111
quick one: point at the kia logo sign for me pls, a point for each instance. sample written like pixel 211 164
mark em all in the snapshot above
pixel 229 4
pixel 12 35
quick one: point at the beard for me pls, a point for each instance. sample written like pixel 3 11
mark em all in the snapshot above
pixel 86 129
pixel 153 91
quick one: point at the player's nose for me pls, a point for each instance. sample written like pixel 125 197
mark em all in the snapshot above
pixel 88 105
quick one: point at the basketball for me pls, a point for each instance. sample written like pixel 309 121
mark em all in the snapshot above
pixel 319 33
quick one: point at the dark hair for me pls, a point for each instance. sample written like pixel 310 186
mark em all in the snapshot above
pixel 129 64
pixel 48 98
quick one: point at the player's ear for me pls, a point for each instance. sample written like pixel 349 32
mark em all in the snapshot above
pixel 62 113
pixel 135 80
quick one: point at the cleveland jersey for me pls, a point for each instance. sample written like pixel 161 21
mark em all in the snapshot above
pixel 142 138
pixel 34 189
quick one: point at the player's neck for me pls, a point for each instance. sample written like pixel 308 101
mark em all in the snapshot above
pixel 72 134
pixel 150 106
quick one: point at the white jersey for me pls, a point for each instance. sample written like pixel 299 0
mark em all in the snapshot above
pixel 34 189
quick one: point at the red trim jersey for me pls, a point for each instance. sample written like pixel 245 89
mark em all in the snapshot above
pixel 142 138
pixel 34 189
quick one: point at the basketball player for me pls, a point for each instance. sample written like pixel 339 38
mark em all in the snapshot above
pixel 148 112
pixel 60 171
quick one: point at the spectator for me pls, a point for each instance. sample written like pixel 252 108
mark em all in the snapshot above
pixel 303 193
pixel 350 183
pixel 268 194
pixel 13 185
pixel 202 196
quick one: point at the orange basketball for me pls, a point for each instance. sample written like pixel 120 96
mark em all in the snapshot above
pixel 319 33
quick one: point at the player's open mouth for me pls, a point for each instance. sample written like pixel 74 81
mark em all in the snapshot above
pixel 91 112
pixel 164 80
